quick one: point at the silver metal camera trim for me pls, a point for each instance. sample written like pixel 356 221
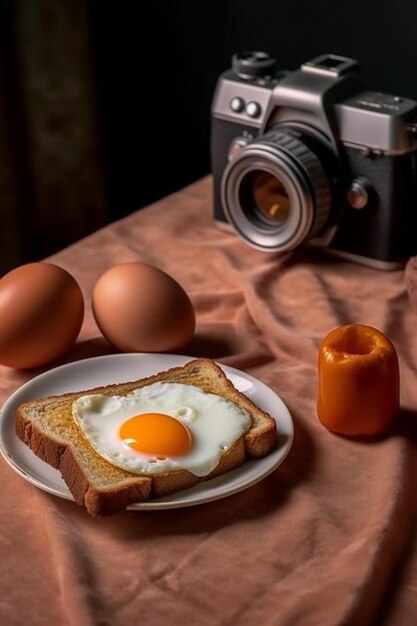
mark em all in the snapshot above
pixel 376 264
pixel 296 228
pixel 342 64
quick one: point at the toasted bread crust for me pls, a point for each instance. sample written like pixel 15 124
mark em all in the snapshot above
pixel 46 426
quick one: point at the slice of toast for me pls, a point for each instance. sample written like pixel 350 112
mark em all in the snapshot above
pixel 47 426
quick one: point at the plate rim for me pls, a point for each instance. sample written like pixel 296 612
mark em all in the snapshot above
pixel 199 494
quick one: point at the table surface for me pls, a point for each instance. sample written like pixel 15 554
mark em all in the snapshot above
pixel 329 538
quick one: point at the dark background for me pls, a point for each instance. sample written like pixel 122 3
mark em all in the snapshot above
pixel 153 71
pixel 157 69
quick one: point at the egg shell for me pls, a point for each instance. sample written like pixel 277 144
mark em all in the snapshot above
pixel 140 308
pixel 41 313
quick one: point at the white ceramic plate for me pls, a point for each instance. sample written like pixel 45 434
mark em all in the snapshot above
pixel 104 370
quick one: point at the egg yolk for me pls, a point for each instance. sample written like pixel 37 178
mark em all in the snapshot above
pixel 156 433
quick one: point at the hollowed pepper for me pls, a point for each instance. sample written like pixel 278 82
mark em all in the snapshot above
pixel 358 381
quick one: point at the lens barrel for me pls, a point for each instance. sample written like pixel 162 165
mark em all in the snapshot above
pixel 276 192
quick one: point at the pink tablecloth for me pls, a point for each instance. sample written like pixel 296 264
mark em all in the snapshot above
pixel 329 538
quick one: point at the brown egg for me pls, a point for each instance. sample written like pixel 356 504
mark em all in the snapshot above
pixel 140 308
pixel 41 313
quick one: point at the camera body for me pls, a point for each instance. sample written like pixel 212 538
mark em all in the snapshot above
pixel 309 157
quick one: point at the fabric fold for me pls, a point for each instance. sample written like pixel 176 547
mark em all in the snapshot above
pixel 327 539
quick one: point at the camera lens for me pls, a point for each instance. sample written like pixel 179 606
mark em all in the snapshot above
pixel 276 192
pixel 265 196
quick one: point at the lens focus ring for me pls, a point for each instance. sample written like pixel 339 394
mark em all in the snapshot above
pixel 314 171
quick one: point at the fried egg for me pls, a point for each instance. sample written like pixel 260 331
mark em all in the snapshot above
pixel 161 427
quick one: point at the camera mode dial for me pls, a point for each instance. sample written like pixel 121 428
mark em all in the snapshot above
pixel 253 64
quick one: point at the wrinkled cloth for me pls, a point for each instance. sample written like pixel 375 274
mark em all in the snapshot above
pixel 328 539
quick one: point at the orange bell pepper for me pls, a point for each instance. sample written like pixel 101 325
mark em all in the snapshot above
pixel 358 381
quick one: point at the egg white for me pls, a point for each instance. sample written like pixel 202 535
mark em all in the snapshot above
pixel 214 422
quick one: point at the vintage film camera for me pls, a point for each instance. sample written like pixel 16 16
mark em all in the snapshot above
pixel 308 157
